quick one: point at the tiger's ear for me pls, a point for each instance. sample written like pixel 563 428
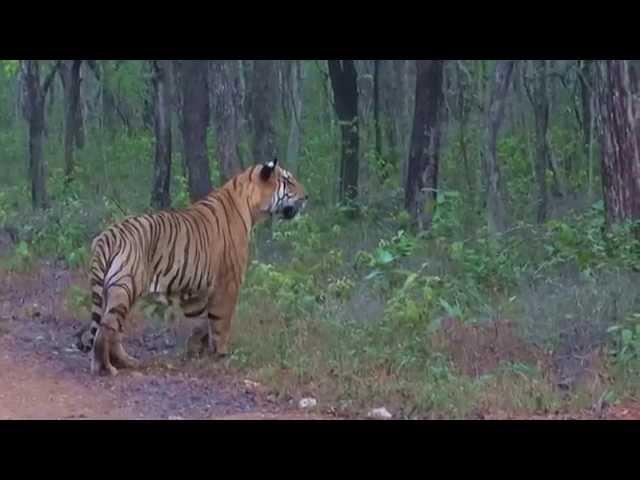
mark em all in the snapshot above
pixel 267 169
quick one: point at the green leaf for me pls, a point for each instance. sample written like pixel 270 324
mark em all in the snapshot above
pixel 384 256
pixel 11 66
pixel 374 274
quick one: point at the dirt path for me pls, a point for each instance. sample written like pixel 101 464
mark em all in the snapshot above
pixel 42 376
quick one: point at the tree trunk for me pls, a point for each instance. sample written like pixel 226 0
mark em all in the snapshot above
pixel 422 180
pixel 195 120
pixel 162 102
pixel 35 97
pixel 585 79
pixel 108 100
pixel 37 167
pixel 295 126
pixel 620 141
pixel 405 79
pixel 226 115
pixel 495 203
pixel 69 71
pixel 540 102
pixel 463 110
pixel 389 109
pixel 263 105
pixel 344 82
pixel 376 107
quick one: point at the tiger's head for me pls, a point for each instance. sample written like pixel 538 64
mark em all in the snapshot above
pixel 278 191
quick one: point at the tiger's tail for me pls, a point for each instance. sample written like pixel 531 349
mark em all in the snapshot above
pixel 88 335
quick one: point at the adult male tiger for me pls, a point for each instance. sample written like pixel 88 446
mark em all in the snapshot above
pixel 198 255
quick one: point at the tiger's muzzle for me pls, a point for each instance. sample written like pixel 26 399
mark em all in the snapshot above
pixel 290 211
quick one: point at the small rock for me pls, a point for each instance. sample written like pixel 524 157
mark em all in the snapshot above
pixel 379 413
pixel 137 374
pixel 251 384
pixel 175 417
pixel 307 403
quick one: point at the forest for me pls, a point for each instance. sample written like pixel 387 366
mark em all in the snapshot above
pixel 470 248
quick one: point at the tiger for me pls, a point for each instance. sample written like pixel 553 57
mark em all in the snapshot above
pixel 197 255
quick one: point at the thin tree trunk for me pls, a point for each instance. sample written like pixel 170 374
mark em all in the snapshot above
pixel 541 114
pixel 344 82
pixel 162 102
pixel 263 105
pixel 37 167
pixel 499 88
pixel 364 70
pixel 619 112
pixel 390 106
pixel 585 79
pixel 405 78
pixel 195 120
pixel 226 115
pixel 376 107
pixel 108 100
pixel 462 107
pixel 296 105
pixel 35 97
pixel 540 103
pixel 422 180
pixel 69 71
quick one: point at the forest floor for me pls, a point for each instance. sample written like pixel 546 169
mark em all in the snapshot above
pixel 43 376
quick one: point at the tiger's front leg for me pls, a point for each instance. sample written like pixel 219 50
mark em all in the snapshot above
pixel 214 335
pixel 220 313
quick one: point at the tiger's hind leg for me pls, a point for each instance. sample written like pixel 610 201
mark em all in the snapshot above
pixel 122 359
pixel 101 359
pixel 109 353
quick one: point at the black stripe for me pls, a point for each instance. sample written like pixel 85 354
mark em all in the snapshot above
pixel 173 279
pixel 235 206
pixel 197 313
pixel 185 257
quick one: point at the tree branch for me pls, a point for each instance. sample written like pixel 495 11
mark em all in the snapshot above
pixel 525 83
pixel 49 78
pixel 94 68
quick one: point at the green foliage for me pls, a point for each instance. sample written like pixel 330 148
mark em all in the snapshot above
pixel 10 67
pixel 4 209
pixel 22 257
pixel 289 290
pixel 79 300
pixel 61 235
